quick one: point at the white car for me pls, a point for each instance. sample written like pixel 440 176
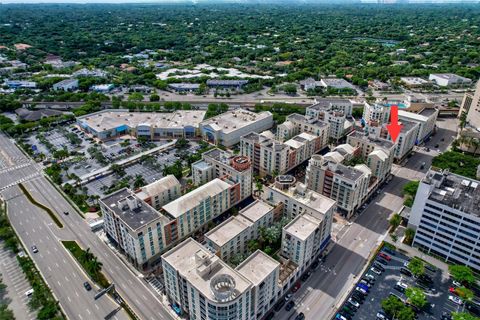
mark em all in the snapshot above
pixel 376 271
pixel 354 303
pixel 456 300
pixel 456 283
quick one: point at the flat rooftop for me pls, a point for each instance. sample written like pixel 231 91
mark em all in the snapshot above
pixel 386 144
pixel 199 267
pixel 111 119
pixel 258 266
pixel 407 125
pixel 136 216
pixel 337 83
pixel 347 172
pixel 327 103
pixel 192 199
pixel 256 210
pixel 236 119
pixel 302 226
pixel 449 76
pixel 159 186
pixel 228 230
pixel 427 112
pixel 455 191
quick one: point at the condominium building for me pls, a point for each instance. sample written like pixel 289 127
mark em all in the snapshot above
pixel 227 128
pixel 195 209
pixel 231 237
pixel 270 157
pixel 203 287
pixel 347 185
pixel 376 152
pixel 336 113
pixel 217 163
pixel 296 124
pixel 263 272
pixel 376 114
pixel 134 226
pixel 161 191
pixel 470 116
pixel 446 217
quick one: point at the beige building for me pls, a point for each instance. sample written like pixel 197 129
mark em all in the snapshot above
pixel 160 192
pixel 470 116
pixel 217 163
pixel 296 124
pixel 347 185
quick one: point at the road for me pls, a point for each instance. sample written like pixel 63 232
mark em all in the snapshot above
pixel 35 227
pixel 323 292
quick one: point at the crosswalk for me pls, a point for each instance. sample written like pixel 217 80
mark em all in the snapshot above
pixel 21 180
pixel 156 285
pixel 9 169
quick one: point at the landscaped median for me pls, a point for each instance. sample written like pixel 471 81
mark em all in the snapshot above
pixel 93 267
pixel 41 206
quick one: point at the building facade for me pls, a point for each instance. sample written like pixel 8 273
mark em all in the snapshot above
pixel 160 192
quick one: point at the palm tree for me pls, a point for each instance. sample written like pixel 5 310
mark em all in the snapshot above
pixel 94 266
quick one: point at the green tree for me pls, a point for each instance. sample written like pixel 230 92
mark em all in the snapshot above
pixel 465 293
pixel 395 221
pixel 136 96
pixel 5 313
pixel 154 97
pixel 409 235
pixel 410 188
pixel 462 274
pixel 416 297
pixel 463 316
pixel 416 266
pixel 117 169
pixel 395 308
pixel 139 182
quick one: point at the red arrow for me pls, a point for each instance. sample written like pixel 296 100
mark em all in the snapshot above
pixel 394 127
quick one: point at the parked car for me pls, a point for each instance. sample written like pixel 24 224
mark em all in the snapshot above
pixel 357 296
pixel 354 303
pixel 296 287
pixel 288 296
pixel 34 249
pixel 378 266
pixel 381 315
pixel 87 286
pixel 456 283
pixel 382 261
pixel 455 300
pixel 376 270
pixel 370 276
pixel 361 290
pixel 279 305
pixel 290 306
pixel 400 286
pixel 406 272
pixel 340 317
pixel 347 310
pixel 385 256
pixel 366 282
pixel 300 316
pixel 363 286
pixel 389 251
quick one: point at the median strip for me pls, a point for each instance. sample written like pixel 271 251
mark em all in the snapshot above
pixel 41 206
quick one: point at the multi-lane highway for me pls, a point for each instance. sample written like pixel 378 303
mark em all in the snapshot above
pixel 61 272
pixel 319 297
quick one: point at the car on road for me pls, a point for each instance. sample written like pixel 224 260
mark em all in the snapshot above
pixel 306 276
pixel 87 286
pixel 34 249
pixel 353 302
pixel 376 270
pixel 385 256
pixel 290 306
pixel 65 213
pixel 455 300
pixel 315 265
pixel 300 316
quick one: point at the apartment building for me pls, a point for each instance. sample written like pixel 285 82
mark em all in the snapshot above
pixel 160 192
pixel 336 113
pixel 134 226
pixel 217 163
pixel 231 237
pixel 470 111
pixel 347 185
pixel 297 123
pixel 198 284
pixel 376 152
pixel 263 272
pixel 446 217
pixel 270 157
pixel 195 209
pixel 227 128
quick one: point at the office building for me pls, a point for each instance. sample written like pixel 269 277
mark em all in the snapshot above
pixel 66 85
pixel 217 163
pixel 227 128
pixel 111 123
pixel 134 226
pixel 347 185
pixel 449 80
pixel 426 118
pixel 446 217
pixel 160 192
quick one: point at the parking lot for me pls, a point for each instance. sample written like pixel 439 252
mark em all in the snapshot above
pixel 394 281
pixel 17 285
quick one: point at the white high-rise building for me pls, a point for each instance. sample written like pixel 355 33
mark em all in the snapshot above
pixel 446 217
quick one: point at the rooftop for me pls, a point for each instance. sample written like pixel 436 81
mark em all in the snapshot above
pixel 413 80
pixel 202 270
pixel 195 197
pixel 450 76
pixel 257 267
pixel 134 212
pixel 327 103
pixel 303 226
pixel 189 86
pixel 159 186
pixel 228 230
pixel 408 125
pixel 256 210
pixel 454 191
pixel 111 119
pixel 382 143
pixel 337 83
pixel 236 119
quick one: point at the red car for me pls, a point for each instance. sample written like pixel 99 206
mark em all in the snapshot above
pixel 385 256
pixel 296 287
pixel 452 290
